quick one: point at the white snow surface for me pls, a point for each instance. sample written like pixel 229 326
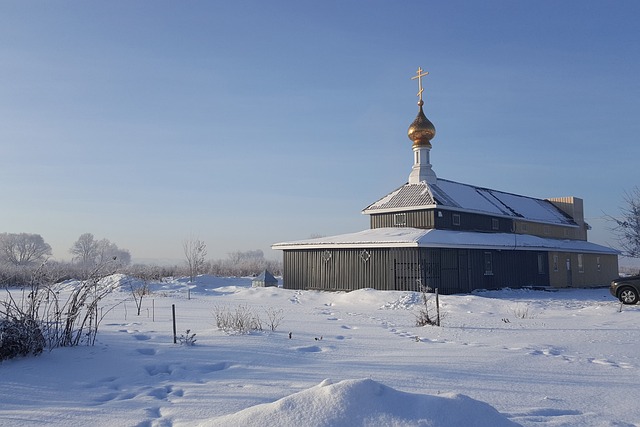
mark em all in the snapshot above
pixel 500 358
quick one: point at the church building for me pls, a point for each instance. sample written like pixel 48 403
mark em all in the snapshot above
pixel 456 237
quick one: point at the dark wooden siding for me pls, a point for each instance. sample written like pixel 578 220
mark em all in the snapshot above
pixel 407 269
pixel 416 219
pixel 443 220
pixel 337 269
pixel 511 269
pixel 471 222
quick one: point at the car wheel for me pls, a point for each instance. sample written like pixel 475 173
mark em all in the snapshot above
pixel 628 295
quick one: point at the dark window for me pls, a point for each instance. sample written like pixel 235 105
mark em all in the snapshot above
pixel 400 220
pixel 580 264
pixel 488 263
pixel 541 264
pixel 456 219
pixel 495 224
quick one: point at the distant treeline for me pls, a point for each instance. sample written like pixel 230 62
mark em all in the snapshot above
pixel 237 264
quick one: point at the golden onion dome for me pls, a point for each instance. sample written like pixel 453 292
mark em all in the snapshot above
pixel 421 131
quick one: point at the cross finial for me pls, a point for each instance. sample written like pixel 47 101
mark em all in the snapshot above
pixel 419 75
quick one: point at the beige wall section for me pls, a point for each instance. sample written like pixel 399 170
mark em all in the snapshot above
pixel 548 230
pixel 597 269
pixel 574 207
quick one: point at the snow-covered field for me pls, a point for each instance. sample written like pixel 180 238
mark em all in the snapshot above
pixel 534 358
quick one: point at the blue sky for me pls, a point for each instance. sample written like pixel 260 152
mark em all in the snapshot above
pixel 246 123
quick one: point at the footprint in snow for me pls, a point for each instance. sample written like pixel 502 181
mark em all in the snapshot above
pixel 154 370
pixel 606 362
pixel 311 349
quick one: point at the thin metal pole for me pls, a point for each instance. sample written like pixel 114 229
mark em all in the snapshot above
pixel 437 309
pixel 173 312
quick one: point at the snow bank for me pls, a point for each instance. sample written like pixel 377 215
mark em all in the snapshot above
pixel 365 402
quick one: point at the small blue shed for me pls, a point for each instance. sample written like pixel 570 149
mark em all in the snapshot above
pixel 264 279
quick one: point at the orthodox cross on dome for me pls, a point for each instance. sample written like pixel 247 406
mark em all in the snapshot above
pixel 419 75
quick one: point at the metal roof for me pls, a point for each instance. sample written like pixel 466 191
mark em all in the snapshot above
pixel 395 237
pixel 469 198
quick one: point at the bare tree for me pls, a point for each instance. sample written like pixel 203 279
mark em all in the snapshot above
pixel 139 289
pixel 89 253
pixel 195 251
pixel 23 249
pixel 627 226
pixel 85 250
pixel 110 251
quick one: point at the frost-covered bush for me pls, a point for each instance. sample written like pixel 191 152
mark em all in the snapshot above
pixel 45 313
pixel 423 317
pixel 188 338
pixel 20 337
pixel 523 312
pixel 242 320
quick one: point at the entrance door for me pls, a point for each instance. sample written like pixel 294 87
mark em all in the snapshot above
pixel 569 275
pixel 464 281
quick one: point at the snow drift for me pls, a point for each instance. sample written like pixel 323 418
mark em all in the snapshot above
pixel 365 402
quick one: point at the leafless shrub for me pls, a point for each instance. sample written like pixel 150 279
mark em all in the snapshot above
pixel 521 311
pixel 140 288
pixel 188 338
pixel 44 314
pixel 242 320
pixel 423 317
pixel 20 337
pixel 274 317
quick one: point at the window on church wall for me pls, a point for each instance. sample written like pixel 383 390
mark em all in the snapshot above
pixel 495 224
pixel 598 263
pixel 455 219
pixel 555 263
pixel 400 220
pixel 541 264
pixel 580 264
pixel 488 264
pixel 546 230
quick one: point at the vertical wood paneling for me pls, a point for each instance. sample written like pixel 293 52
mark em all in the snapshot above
pixel 416 219
pixel 450 270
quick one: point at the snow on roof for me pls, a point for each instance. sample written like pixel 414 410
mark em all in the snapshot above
pixel 407 195
pixel 265 276
pixel 394 237
pixel 464 197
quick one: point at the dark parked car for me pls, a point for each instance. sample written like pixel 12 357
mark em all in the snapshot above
pixel 626 289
